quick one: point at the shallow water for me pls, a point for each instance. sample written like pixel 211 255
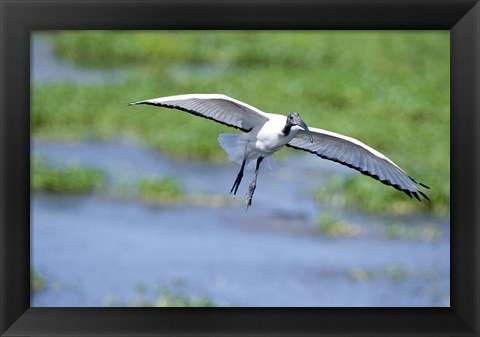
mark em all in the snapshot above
pixel 97 251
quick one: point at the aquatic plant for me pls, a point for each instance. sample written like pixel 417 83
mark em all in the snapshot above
pixel 166 298
pixel 358 192
pixel 399 230
pixel 37 281
pixel 392 273
pixel 157 190
pixel 327 225
pixel 175 299
pixel 71 178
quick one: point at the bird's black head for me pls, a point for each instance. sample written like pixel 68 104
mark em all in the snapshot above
pixel 293 118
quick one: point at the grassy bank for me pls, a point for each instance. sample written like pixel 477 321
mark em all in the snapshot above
pixel 390 90
pixel 37 281
pixel 68 179
pixel 77 179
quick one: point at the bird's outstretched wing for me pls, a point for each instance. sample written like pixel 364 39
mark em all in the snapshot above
pixel 355 154
pixel 219 108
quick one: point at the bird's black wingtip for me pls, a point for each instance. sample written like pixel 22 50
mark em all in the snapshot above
pixel 424 195
pixel 419 183
pixel 423 185
pixel 416 196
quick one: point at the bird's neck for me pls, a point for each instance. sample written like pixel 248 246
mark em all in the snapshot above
pixel 286 130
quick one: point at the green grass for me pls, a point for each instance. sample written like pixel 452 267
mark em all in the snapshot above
pixel 177 300
pixel 397 230
pixel 166 190
pixel 76 179
pixel 103 48
pixel 365 193
pixel 393 273
pixel 328 226
pixel 167 298
pixel 159 190
pixel 68 179
pixel 388 89
pixel 37 281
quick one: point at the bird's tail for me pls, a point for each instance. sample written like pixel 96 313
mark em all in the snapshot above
pixel 235 147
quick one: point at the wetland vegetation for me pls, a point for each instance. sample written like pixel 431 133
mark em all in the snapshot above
pixel 37 281
pixel 172 299
pixel 72 178
pixel 388 89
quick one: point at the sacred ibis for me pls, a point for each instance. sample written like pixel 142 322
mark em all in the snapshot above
pixel 266 133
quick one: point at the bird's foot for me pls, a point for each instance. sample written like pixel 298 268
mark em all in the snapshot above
pixel 249 194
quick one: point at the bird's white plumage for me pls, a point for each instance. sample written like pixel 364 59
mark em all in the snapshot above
pixel 263 140
pixel 264 136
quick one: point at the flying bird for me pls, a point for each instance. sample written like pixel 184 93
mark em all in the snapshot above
pixel 266 133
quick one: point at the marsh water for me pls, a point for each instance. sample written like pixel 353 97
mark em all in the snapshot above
pixel 98 250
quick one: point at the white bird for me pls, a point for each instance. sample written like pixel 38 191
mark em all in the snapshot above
pixel 266 133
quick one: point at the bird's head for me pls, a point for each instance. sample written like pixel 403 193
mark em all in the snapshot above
pixel 293 119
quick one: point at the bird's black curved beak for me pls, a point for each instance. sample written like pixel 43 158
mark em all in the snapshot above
pixel 305 127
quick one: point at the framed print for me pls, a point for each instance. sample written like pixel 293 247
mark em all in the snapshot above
pixel 113 215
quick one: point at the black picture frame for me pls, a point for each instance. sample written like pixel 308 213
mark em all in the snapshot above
pixel 19 17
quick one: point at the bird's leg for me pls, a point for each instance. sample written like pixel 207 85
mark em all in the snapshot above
pixel 253 184
pixel 236 184
pixel 239 178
